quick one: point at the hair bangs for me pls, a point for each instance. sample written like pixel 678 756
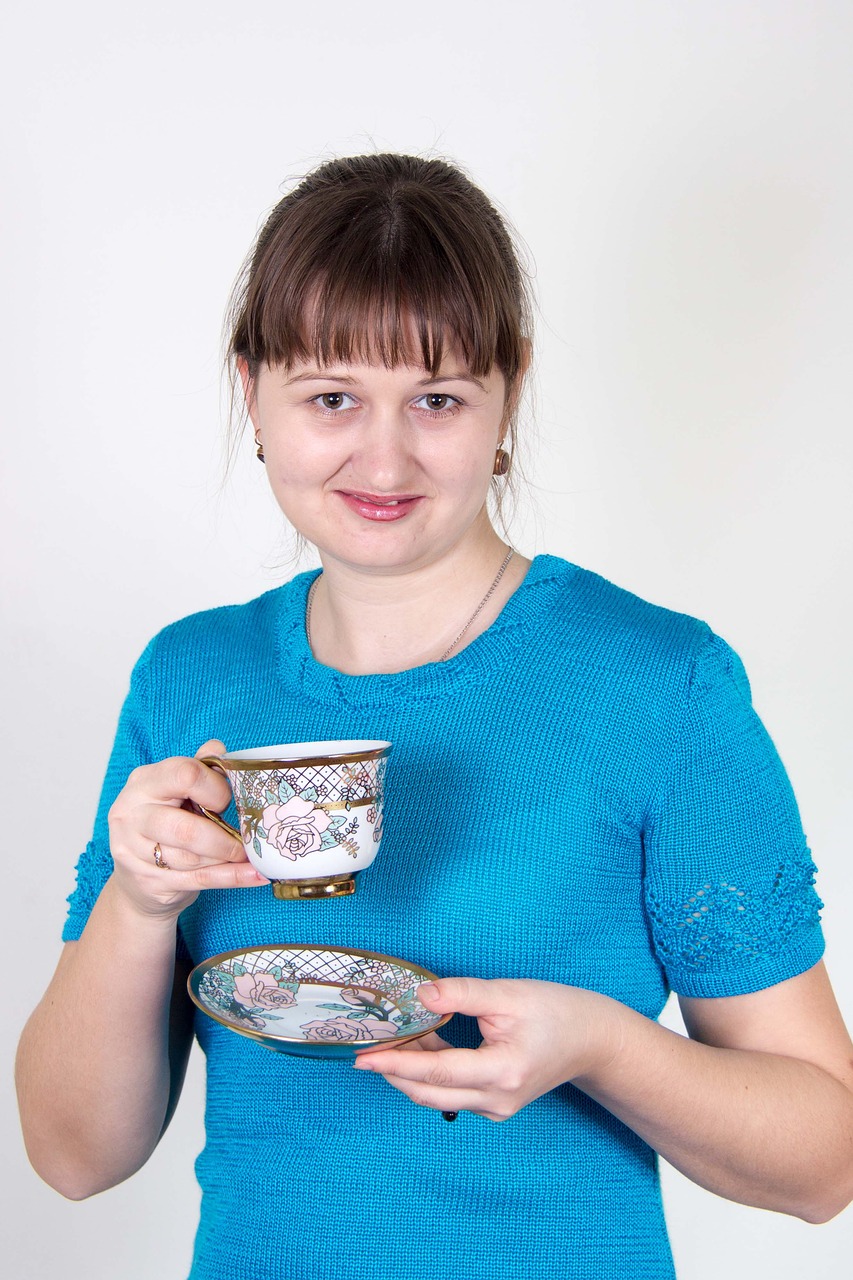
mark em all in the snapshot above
pixel 369 300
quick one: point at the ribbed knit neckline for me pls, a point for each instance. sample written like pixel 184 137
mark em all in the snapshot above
pixel 478 661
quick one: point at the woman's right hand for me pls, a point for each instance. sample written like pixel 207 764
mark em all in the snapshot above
pixel 152 809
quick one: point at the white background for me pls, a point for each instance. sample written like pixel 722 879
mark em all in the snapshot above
pixel 682 175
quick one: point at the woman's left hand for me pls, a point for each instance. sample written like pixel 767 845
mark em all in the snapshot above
pixel 756 1107
pixel 536 1035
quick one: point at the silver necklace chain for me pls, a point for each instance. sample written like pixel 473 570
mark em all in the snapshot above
pixel 485 600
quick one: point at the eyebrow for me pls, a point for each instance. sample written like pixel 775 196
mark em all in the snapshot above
pixel 319 375
pixel 453 377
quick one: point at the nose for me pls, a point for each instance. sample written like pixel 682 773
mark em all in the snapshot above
pixel 383 459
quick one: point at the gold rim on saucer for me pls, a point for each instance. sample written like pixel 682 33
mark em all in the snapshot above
pixel 315 1001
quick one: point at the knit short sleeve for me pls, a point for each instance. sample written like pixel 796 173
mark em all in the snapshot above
pixel 132 747
pixel 729 879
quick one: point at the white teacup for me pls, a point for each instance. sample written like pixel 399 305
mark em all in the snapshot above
pixel 310 812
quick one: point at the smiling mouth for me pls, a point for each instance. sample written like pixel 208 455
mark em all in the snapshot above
pixel 380 507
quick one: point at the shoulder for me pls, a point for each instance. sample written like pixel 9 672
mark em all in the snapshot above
pixel 229 634
pixel 607 622
pixel 199 677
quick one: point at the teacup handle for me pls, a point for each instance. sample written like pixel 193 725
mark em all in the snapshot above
pixel 213 762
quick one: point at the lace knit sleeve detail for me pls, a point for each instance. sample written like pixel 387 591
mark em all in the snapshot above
pixel 729 884
pixel 722 927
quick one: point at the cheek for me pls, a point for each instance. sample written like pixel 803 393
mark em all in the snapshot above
pixel 471 470
pixel 291 486
pixel 297 465
pixel 299 473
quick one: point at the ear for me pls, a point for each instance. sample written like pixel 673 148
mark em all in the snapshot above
pixel 248 382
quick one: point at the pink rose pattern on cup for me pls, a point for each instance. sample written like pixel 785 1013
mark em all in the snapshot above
pixel 380 999
pixel 287 811
pixel 295 828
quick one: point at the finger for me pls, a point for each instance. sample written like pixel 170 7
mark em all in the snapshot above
pixel 175 859
pixel 424 1044
pixel 450 1069
pixel 430 1043
pixel 446 1099
pixel 217 875
pixel 228 875
pixel 477 997
pixel 181 778
pixel 183 832
pixel 215 747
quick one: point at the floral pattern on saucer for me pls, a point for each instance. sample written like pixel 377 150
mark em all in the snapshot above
pixel 314 996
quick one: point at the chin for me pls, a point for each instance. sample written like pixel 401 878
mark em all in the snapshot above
pixel 382 553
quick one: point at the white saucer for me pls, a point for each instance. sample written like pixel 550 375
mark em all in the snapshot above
pixel 318 1002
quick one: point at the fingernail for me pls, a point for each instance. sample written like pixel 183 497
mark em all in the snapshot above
pixel 427 990
pixel 363 1066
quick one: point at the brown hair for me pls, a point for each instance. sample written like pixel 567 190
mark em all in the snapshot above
pixel 370 254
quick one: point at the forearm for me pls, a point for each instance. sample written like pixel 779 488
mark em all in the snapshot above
pixel 93 1072
pixel 762 1129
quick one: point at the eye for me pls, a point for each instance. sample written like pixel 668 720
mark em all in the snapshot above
pixel 437 403
pixel 334 401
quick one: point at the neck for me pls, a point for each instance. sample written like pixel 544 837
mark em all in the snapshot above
pixel 365 622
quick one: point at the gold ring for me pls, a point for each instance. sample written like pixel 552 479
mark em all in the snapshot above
pixel 159 860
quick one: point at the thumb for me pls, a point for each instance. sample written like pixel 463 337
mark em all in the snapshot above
pixel 474 996
pixel 211 748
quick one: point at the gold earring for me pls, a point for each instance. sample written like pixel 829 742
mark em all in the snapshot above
pixel 259 450
pixel 502 461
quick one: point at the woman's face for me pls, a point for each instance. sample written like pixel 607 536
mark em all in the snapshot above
pixel 382 469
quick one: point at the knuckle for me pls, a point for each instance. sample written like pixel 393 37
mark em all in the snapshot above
pixel 204 877
pixel 235 876
pixel 218 875
pixel 505 992
pixel 135 780
pixel 185 773
pixel 183 829
pixel 116 813
pixel 419 1098
pixel 121 825
pixel 462 990
pixel 137 775
pixel 438 1075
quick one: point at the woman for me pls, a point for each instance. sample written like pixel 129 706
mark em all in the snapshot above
pixel 583 813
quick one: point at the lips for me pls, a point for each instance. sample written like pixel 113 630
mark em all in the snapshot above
pixel 380 507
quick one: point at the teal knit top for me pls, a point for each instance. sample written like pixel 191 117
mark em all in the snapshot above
pixel 583 795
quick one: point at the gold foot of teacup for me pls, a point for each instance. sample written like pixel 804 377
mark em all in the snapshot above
pixel 318 887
